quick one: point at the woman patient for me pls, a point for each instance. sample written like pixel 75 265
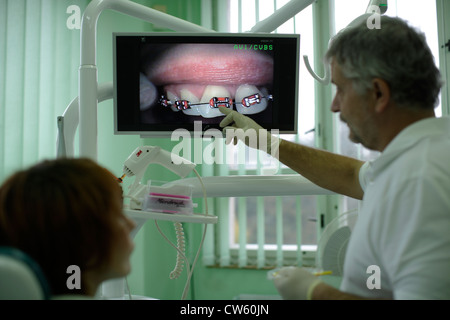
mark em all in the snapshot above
pixel 68 212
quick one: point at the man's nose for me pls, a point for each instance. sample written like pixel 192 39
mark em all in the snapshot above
pixel 335 105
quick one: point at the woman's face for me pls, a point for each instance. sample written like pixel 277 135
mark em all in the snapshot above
pixel 122 244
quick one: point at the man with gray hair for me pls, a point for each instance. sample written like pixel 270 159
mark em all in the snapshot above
pixel 387 89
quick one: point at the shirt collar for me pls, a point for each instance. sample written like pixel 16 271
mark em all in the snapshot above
pixel 408 138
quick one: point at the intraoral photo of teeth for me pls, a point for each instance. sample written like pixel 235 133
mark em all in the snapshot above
pixel 183 83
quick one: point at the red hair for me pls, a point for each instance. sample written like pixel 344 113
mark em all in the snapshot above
pixel 59 213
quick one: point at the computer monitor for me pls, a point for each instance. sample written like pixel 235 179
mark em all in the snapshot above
pixel 169 81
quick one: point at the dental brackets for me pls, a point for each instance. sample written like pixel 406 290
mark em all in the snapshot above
pixel 216 102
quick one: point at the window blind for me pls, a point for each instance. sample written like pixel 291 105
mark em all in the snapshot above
pixel 265 232
pixel 38 56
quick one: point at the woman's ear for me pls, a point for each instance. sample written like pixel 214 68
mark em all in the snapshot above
pixel 381 94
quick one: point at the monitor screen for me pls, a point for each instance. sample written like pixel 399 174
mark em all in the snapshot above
pixel 169 81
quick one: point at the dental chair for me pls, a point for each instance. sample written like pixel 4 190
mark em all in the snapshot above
pixel 21 278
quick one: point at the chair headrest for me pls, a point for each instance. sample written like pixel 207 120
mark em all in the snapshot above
pixel 21 277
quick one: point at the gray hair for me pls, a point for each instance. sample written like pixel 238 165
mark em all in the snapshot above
pixel 396 53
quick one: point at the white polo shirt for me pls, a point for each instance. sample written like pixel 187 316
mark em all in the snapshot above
pixel 402 238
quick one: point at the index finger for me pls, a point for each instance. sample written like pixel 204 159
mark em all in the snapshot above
pixel 225 110
pixel 229 118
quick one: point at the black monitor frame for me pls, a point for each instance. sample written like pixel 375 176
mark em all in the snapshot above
pixel 128 49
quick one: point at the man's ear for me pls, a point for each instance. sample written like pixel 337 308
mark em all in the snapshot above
pixel 381 94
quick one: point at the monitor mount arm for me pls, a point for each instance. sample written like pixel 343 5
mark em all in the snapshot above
pixel 374 7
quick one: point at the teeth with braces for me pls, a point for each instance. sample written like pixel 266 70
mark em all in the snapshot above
pixel 252 99
pixel 215 102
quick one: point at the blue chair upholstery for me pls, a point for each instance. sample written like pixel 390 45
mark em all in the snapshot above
pixel 21 278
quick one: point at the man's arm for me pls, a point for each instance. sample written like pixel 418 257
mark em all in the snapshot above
pixel 328 170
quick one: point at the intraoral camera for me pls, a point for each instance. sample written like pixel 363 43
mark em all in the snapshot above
pixel 137 164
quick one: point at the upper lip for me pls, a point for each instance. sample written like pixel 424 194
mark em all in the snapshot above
pixel 218 64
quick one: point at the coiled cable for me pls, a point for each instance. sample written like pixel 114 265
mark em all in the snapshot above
pixel 181 253
pixel 180 240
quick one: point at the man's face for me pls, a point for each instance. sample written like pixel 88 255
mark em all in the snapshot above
pixel 355 110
